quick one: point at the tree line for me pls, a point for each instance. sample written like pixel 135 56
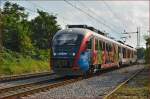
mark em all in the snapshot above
pixel 29 37
pixel 26 36
pixel 147 52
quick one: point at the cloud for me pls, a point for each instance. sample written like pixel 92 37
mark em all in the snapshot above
pixel 130 15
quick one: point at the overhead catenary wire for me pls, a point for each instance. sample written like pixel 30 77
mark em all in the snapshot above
pixel 114 14
pixel 100 22
pixel 101 18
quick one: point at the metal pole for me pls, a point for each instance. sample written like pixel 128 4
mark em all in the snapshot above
pixel 137 37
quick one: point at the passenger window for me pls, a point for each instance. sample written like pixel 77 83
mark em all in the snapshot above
pixel 103 45
pixel 110 47
pixel 124 53
pixel 96 44
pixel 100 45
pixel 119 49
pixel 132 54
pixel 129 54
pixel 89 46
pixel 107 47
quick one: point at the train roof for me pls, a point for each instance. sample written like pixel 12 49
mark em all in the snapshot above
pixel 106 39
pixel 84 29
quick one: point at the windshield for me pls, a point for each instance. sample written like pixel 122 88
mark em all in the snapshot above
pixel 67 39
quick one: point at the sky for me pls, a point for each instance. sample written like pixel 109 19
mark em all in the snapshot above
pixel 112 17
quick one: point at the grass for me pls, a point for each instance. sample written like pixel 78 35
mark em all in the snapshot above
pixel 13 63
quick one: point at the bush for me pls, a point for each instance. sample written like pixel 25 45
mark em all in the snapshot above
pixel 147 55
pixel 41 55
pixel 16 63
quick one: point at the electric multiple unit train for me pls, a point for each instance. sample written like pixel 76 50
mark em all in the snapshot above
pixel 80 49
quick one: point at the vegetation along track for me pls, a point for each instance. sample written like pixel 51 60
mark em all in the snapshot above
pixel 24 76
pixel 20 90
pixel 109 95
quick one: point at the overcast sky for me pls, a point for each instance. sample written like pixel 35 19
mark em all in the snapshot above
pixel 112 17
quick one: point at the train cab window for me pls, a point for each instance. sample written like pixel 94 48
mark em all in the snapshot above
pixel 89 45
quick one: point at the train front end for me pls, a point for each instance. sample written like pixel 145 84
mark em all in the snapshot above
pixel 66 45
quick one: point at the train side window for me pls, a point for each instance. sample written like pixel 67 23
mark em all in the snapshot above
pixel 128 53
pixel 89 45
pixel 107 47
pixel 96 44
pixel 100 45
pixel 110 47
pixel 119 50
pixel 132 54
pixel 104 46
pixel 124 53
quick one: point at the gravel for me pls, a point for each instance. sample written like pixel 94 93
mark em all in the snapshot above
pixel 92 88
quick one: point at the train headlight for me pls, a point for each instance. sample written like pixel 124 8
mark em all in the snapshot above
pixel 54 54
pixel 73 54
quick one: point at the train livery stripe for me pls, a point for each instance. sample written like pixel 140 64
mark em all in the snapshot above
pixel 82 48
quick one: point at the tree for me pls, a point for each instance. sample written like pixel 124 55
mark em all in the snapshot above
pixel 44 26
pixel 140 53
pixel 147 53
pixel 16 30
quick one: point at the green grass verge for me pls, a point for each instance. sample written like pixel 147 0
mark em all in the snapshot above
pixel 13 63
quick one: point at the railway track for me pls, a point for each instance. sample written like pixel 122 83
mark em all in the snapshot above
pixel 24 76
pixel 16 92
pixel 108 96
pixel 21 90
pixel 94 87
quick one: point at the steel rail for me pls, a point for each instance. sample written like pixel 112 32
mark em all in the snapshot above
pixel 23 76
pixel 2 90
pixel 41 88
pixel 121 84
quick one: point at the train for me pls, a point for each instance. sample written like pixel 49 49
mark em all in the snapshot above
pixel 84 50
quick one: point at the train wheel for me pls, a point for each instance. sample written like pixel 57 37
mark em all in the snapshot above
pixel 88 73
pixel 92 68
